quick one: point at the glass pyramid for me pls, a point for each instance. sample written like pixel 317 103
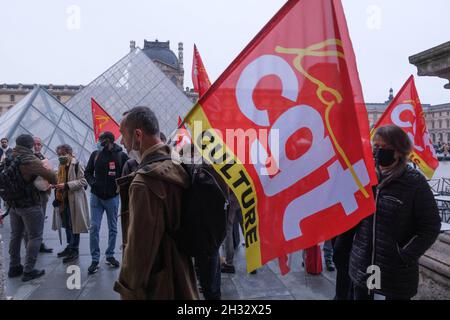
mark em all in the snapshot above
pixel 41 114
pixel 133 81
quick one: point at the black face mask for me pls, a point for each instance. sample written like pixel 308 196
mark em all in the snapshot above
pixel 384 157
pixel 104 143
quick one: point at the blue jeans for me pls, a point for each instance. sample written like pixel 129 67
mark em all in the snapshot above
pixel 328 250
pixel 98 206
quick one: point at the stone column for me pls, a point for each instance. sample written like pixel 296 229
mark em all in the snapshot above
pixel 434 62
pixel 435 264
pixel 181 64
pixel 2 275
pixel 434 274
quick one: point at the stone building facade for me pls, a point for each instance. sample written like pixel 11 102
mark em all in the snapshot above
pixel 10 94
pixel 437 118
pixel 165 59
pixel 438 122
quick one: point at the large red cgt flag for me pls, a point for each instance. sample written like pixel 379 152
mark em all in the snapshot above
pixel 200 78
pixel 406 112
pixel 103 121
pixel 286 127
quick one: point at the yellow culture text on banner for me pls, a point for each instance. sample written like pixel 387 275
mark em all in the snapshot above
pixel 214 151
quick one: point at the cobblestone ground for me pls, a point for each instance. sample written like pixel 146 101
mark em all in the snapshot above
pixel 267 284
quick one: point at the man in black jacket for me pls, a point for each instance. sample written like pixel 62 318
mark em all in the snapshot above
pixel 104 167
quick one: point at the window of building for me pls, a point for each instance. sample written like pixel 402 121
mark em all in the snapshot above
pixel 12 98
pixel 448 124
pixel 59 98
pixel 440 124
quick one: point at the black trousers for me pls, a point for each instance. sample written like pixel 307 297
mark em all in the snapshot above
pixel 209 275
pixel 342 248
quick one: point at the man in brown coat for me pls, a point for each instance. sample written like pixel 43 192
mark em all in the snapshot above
pixel 152 266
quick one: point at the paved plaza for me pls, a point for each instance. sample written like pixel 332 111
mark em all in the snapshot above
pixel 266 284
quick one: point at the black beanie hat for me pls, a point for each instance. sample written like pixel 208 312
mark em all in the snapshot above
pixel 107 135
pixel 25 140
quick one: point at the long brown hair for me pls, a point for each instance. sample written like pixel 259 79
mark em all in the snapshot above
pixel 397 139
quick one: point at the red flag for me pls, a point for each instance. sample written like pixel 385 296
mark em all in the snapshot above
pixel 103 121
pixel 182 135
pixel 302 168
pixel 406 112
pixel 199 76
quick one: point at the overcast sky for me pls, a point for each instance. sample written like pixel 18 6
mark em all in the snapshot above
pixel 46 41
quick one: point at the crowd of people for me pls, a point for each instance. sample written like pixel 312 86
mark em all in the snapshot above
pixel 150 186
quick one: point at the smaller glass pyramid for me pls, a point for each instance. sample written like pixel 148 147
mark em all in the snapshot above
pixel 41 114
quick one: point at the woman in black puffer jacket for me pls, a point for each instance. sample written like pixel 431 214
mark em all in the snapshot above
pixel 405 225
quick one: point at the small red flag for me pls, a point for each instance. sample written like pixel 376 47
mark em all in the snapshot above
pixel 103 121
pixel 182 136
pixel 199 76
pixel 406 112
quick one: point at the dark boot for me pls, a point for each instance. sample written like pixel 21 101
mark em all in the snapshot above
pixel 34 274
pixel 63 253
pixel 15 272
pixel 72 256
pixel 45 249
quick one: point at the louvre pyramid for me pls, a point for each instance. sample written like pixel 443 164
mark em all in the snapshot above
pixel 41 114
pixel 133 81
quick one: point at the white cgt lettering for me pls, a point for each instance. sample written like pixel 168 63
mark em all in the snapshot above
pixel 395 117
pixel 264 66
pixel 338 189
pixel 291 171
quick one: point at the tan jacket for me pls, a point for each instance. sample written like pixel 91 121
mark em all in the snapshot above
pixel 78 204
pixel 152 266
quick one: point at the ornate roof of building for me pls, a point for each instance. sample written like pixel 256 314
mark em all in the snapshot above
pixel 160 51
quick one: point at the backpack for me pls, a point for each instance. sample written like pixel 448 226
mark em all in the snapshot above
pixel 14 190
pixel 204 211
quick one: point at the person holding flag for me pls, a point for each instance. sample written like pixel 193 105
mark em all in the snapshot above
pixel 405 224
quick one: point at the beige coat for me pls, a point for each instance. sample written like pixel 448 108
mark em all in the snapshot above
pixel 78 203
